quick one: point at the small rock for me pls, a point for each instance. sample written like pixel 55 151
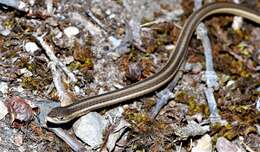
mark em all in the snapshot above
pixel 101 91
pixel 52 21
pixel 71 31
pixel 198 117
pixel 90 129
pixel 5 32
pixel 193 67
pixel 108 12
pixel 187 67
pixel 77 90
pixel 223 145
pixel 26 72
pixel 258 88
pixel 196 68
pixel 68 60
pixel 19 88
pixel 203 144
pixel 31 47
pixel 3 110
pixel 32 2
pixel 135 71
pixel 21 149
pixel 115 42
pixel 230 83
pixel 114 55
pixel 3 87
pixel 170 47
pixel 18 140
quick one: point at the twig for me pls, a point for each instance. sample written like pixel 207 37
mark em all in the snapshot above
pixel 73 143
pixel 211 77
pixel 62 93
pixel 89 26
pixel 214 116
pixel 179 148
pixel 45 107
pixel 96 20
pixel 202 34
pixel 50 53
pixel 246 146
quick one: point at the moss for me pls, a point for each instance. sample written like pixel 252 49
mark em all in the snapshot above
pixel 244 50
pixel 88 63
pixel 193 105
pixel 30 83
pixel 137 117
pixel 228 64
pixel 9 23
pixel 32 67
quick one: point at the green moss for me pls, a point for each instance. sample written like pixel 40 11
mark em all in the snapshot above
pixel 32 67
pixel 193 105
pixel 228 64
pixel 30 83
pixel 137 117
pixel 9 23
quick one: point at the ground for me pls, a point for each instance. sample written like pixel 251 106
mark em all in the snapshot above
pixel 147 31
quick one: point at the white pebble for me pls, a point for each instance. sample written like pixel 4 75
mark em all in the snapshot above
pixel 31 47
pixel 90 129
pixel 71 31
pixel 3 110
pixel 26 72
pixel 3 87
pixel 115 42
pixel 5 32
pixel 203 144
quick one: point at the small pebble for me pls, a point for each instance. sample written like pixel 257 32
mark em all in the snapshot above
pixel 71 31
pixel 196 68
pixel 3 110
pixel 3 87
pixel 5 32
pixel 21 149
pixel 170 47
pixel 223 145
pixel 68 60
pixel 203 144
pixel 115 42
pixel 26 72
pixel 31 47
pixel 90 129
pixel 18 140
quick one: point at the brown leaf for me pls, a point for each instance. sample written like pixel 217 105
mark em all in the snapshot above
pixel 19 109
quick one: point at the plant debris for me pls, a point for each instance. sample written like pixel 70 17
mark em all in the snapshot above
pixel 19 109
pixel 66 50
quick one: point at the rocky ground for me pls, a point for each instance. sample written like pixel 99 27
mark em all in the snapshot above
pixel 55 52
